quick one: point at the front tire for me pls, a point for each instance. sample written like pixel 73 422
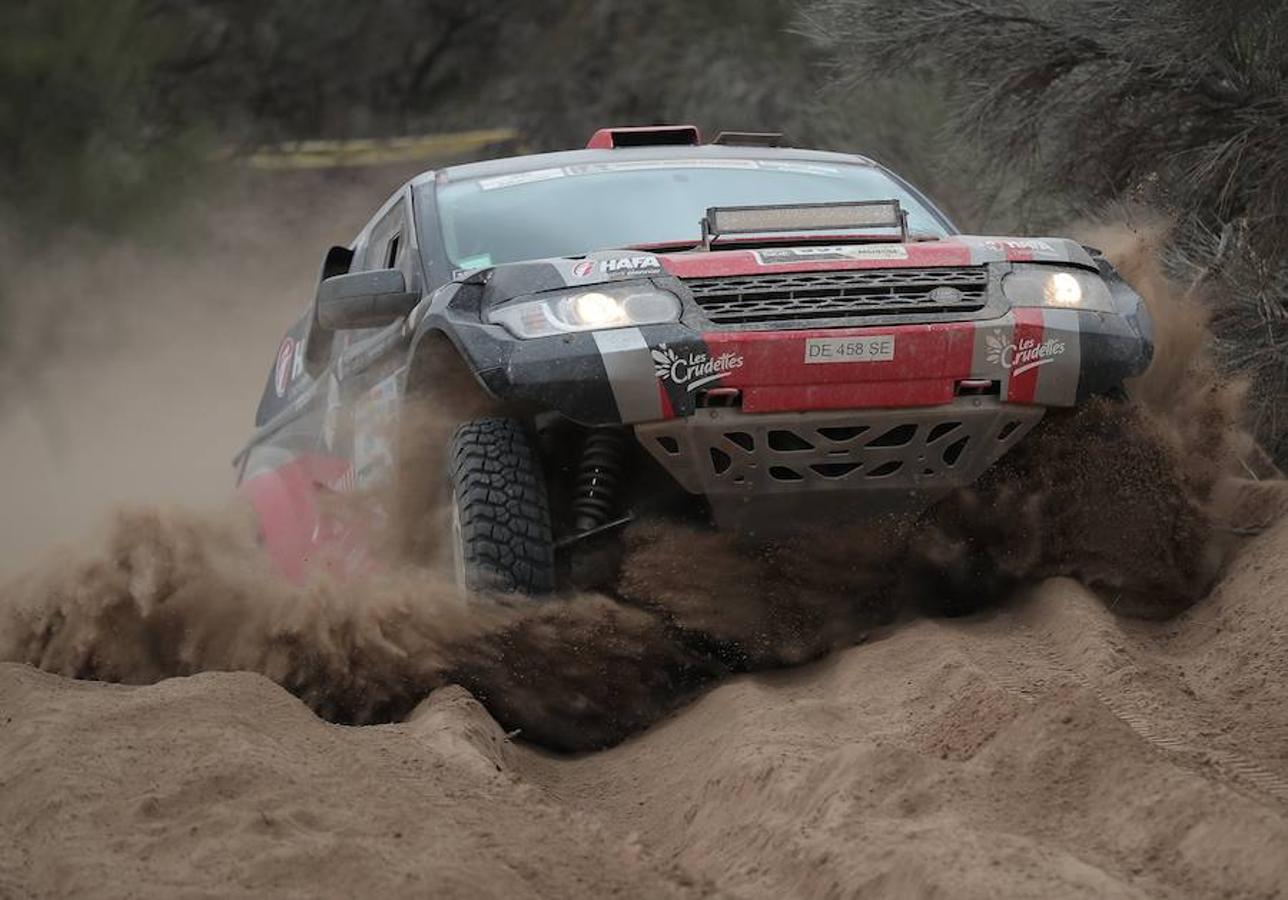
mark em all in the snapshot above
pixel 500 514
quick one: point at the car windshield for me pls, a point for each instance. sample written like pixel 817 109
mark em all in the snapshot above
pixel 571 210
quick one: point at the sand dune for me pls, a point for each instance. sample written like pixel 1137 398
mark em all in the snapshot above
pixel 1048 748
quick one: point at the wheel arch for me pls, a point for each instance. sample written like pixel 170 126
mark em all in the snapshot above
pixel 437 366
pixel 442 392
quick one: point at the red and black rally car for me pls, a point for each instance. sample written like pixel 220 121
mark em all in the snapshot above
pixel 753 335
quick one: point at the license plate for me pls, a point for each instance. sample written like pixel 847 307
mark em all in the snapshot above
pixel 869 348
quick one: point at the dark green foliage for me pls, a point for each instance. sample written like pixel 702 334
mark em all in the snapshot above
pixel 1180 105
pixel 1247 293
pixel 100 101
pixel 79 131
pixel 1180 102
pixel 285 70
pixel 723 64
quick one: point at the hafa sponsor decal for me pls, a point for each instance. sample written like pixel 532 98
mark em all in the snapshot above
pixel 619 265
pixel 1023 355
pixel 692 370
pixel 629 264
pixel 284 371
pixel 1020 244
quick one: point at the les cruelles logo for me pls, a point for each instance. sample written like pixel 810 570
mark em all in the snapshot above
pixel 1023 355
pixel 693 370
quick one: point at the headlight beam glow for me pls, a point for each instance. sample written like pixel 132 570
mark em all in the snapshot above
pixel 596 309
pixel 589 309
pixel 1062 289
pixel 1056 287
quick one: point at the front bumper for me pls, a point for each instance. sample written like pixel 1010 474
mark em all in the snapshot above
pixel 784 466
pixel 1042 357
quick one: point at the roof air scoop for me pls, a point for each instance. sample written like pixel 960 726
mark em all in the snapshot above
pixel 750 138
pixel 645 136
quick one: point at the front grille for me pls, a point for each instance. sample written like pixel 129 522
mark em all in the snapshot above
pixel 799 296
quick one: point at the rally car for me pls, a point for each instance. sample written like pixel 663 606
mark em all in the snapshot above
pixel 748 335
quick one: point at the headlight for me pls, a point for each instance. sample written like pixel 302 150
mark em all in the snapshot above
pixel 604 306
pixel 1038 285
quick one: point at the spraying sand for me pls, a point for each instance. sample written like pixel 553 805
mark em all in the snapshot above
pixel 1048 747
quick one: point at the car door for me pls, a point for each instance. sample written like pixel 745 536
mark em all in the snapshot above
pixel 328 417
pixel 299 456
pixel 289 463
pixel 371 366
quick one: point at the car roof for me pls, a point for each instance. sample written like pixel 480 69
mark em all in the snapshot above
pixel 512 164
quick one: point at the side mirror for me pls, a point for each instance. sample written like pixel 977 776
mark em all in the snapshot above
pixel 364 299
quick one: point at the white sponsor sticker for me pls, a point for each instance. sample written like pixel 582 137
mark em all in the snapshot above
pixel 869 348
pixel 646 165
pixel 284 371
pixel 806 168
pixel 783 255
pixel 505 181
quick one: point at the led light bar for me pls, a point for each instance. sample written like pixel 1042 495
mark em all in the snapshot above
pixel 723 220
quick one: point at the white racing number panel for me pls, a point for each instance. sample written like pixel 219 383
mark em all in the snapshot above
pixel 869 348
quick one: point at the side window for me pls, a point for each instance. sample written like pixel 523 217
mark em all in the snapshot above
pixel 320 345
pixel 392 257
pixel 387 241
pixel 387 248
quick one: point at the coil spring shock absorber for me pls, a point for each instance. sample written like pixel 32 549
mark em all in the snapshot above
pixel 599 479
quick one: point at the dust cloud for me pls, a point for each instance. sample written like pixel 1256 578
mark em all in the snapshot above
pixel 132 375
pixel 1120 495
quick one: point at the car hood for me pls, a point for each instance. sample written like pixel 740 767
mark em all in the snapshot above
pixel 606 266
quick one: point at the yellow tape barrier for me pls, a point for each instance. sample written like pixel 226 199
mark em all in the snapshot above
pixel 375 151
